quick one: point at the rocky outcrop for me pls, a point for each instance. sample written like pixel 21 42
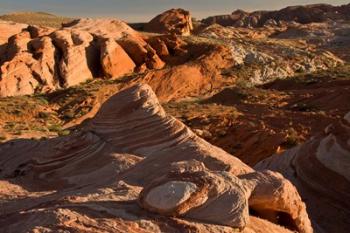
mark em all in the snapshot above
pixel 30 67
pixel 75 47
pixel 130 40
pixel 75 54
pixel 132 153
pixel 43 59
pixel 46 55
pixel 176 21
pixel 320 170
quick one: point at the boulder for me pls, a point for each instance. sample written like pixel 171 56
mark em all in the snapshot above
pixel 141 53
pixel 192 191
pixel 174 21
pixel 159 46
pixel 114 60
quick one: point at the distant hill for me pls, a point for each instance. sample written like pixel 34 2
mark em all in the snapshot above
pixel 301 14
pixel 36 18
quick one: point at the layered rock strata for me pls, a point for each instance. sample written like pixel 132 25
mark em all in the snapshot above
pixel 126 157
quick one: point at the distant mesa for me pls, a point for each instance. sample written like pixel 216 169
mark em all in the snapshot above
pixel 300 14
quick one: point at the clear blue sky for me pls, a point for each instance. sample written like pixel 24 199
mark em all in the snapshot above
pixel 143 10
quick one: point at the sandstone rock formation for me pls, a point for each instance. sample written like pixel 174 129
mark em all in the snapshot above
pixel 76 50
pixel 177 21
pixel 30 66
pixel 87 49
pixel 44 59
pixel 320 170
pixel 132 150
pixel 130 40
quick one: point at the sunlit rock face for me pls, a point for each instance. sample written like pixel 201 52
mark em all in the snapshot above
pixel 9 29
pixel 176 21
pixel 40 60
pixel 114 60
pixel 320 170
pixel 133 168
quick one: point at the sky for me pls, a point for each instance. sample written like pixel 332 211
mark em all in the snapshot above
pixel 144 10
